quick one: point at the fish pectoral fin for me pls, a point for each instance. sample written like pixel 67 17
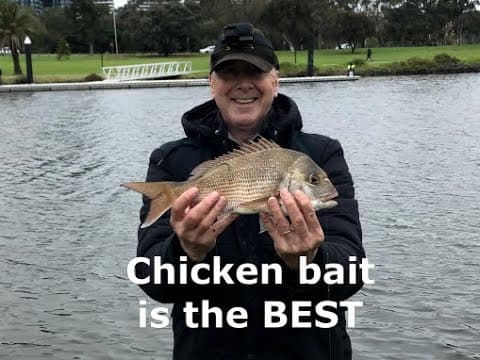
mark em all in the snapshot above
pixel 262 226
pixel 223 215
pixel 319 205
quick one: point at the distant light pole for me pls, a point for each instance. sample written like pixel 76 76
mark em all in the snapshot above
pixel 28 59
pixel 114 27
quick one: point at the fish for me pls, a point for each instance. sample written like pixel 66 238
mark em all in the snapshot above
pixel 247 177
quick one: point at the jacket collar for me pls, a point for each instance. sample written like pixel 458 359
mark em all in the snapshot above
pixel 204 122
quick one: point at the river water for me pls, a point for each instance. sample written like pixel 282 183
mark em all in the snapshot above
pixel 67 230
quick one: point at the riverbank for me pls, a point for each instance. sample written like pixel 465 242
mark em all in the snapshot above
pixel 385 61
pixel 142 84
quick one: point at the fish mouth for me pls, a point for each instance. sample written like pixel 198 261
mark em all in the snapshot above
pixel 330 196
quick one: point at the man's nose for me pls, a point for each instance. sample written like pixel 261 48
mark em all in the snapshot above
pixel 244 84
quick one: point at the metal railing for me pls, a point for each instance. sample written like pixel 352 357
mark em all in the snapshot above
pixel 147 71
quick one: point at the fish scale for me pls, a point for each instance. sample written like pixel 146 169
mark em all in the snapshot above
pixel 244 182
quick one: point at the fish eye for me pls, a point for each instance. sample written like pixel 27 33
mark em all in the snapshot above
pixel 314 179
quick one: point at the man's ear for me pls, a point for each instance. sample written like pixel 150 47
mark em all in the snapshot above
pixel 212 84
pixel 276 82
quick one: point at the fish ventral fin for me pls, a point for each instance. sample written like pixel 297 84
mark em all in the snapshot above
pixel 251 147
pixel 252 207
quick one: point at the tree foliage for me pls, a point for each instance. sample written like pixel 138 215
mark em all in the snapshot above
pixel 85 25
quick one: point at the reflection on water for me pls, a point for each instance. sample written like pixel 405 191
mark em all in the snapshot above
pixel 68 230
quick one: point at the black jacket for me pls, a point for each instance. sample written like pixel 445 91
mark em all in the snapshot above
pixel 241 242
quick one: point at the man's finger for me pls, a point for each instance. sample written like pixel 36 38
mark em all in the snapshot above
pixel 217 209
pixel 295 214
pixel 308 212
pixel 279 242
pixel 199 211
pixel 181 204
pixel 269 225
pixel 223 223
pixel 274 209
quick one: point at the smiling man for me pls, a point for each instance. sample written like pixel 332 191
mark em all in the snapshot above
pixel 244 94
pixel 244 84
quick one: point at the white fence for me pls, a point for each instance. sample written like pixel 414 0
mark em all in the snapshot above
pixel 147 71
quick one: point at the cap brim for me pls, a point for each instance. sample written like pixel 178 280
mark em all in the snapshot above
pixel 263 65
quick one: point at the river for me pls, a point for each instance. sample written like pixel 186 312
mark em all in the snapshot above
pixel 68 231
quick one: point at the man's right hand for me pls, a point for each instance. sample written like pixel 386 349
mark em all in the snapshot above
pixel 196 224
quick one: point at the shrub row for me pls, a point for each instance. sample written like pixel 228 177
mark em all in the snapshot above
pixel 440 64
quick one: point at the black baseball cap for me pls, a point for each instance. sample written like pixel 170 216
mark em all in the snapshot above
pixel 244 42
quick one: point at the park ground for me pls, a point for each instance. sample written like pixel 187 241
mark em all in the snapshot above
pixel 385 61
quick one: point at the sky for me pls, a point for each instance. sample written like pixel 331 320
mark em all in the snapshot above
pixel 119 3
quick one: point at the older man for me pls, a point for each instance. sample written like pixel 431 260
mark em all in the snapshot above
pixel 244 84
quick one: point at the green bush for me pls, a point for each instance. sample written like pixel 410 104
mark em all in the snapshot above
pixel 93 77
pixel 63 49
pixel 358 62
pixel 445 59
pixel 288 69
pixel 372 42
pixel 20 79
pixel 328 71
pixel 416 62
pixel 413 65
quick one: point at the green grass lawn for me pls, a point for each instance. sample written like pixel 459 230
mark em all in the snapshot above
pixel 386 55
pixel 46 68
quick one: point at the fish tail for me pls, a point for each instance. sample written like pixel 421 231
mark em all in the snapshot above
pixel 162 195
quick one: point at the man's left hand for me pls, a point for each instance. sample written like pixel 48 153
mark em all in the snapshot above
pixel 301 236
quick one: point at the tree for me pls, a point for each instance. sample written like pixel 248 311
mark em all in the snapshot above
pixel 86 26
pixel 450 11
pixel 172 24
pixel 300 22
pixel 132 26
pixel 469 27
pixel 280 17
pixel 15 23
pixel 356 27
pixel 56 27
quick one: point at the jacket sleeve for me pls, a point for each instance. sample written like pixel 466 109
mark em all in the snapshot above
pixel 341 226
pixel 159 240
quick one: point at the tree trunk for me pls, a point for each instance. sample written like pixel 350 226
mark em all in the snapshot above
pixel 17 70
pixel 460 31
pixel 379 30
pixel 310 57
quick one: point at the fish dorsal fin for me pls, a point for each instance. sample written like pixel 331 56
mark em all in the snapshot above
pixel 251 147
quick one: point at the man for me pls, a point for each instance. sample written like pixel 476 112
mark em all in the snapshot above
pixel 246 103
pixel 351 69
pixel 369 54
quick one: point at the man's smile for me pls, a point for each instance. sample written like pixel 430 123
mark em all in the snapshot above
pixel 244 100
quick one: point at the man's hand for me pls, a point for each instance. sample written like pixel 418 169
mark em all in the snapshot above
pixel 302 235
pixel 196 225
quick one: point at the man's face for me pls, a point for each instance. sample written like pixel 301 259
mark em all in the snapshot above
pixel 243 93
